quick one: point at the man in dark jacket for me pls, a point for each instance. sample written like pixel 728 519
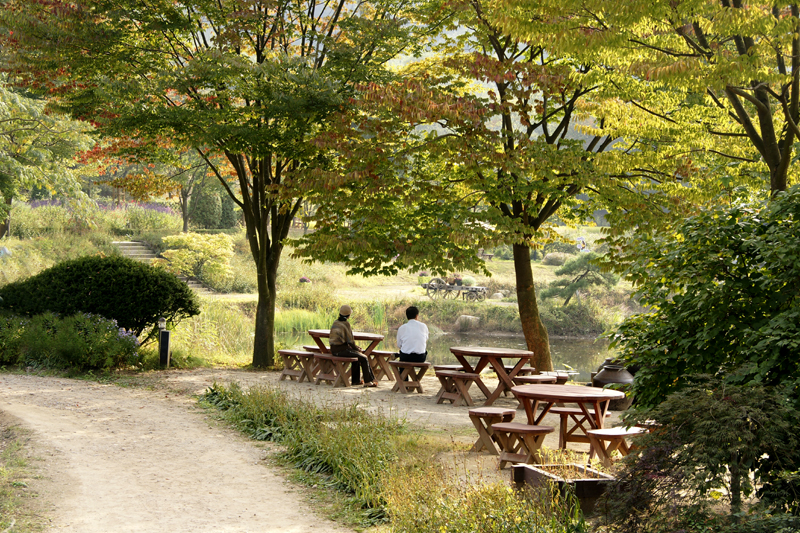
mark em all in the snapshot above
pixel 344 345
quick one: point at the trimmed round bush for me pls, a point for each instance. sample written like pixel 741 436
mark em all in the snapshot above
pixel 132 293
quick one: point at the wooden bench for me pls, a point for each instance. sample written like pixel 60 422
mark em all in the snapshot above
pixel 483 418
pixel 313 348
pixel 297 365
pixel 576 433
pixel 378 360
pixel 333 369
pixel 408 376
pixel 519 443
pixel 455 386
pixel 615 437
pixel 457 368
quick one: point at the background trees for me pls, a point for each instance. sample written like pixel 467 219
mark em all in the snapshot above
pixel 36 148
pixel 250 81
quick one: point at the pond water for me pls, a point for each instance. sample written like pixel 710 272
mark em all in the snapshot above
pixel 583 355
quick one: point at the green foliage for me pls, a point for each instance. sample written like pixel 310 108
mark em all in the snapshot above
pixel 141 218
pixel 37 147
pixel 347 445
pixel 203 256
pixel 132 293
pixel 582 272
pixel 27 223
pixel 231 215
pixel 206 208
pixel 556 258
pixel 712 440
pixel 723 294
pixel 468 281
pixel 81 342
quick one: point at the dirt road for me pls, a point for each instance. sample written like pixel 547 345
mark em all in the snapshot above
pixel 127 460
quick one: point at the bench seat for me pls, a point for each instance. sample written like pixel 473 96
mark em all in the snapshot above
pixel 333 369
pixel 615 437
pixel 408 376
pixel 297 365
pixel 483 418
pixel 455 386
pixel 519 443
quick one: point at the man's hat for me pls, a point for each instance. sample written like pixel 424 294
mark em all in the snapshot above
pixel 345 310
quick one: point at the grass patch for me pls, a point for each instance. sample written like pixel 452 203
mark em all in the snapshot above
pixel 15 476
pixel 386 473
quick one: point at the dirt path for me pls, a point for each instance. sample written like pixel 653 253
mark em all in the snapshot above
pixel 146 459
pixel 125 460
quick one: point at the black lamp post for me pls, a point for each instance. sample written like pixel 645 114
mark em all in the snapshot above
pixel 163 342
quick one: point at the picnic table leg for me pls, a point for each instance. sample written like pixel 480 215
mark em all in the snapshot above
pixel 476 370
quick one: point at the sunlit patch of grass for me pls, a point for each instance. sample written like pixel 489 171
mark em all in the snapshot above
pixel 16 513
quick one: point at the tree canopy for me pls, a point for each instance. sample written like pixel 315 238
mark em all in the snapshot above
pixel 250 81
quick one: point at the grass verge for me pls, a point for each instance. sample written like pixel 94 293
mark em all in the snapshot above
pixel 389 475
pixel 16 513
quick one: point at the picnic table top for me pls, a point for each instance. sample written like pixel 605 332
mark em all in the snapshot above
pixel 566 393
pixel 481 351
pixel 357 335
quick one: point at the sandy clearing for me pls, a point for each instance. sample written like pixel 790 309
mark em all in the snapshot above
pixel 129 459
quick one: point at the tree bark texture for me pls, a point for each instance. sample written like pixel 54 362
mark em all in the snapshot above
pixel 535 333
pixel 5 226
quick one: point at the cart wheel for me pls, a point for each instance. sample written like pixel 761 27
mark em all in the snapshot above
pixel 435 286
pixel 480 296
pixel 450 294
pixel 471 296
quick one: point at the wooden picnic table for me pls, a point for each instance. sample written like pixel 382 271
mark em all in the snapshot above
pixel 377 361
pixel 592 401
pixel 494 357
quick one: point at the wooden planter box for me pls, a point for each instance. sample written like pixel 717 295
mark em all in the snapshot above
pixel 588 488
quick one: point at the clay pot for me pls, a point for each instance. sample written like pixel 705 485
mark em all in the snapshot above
pixel 615 374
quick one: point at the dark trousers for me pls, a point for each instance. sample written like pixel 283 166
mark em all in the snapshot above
pixel 362 367
pixel 412 358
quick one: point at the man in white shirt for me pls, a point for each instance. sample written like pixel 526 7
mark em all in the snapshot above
pixel 412 338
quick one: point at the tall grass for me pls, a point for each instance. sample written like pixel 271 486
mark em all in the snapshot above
pixel 388 472
pixel 346 447
pixel 430 499
pixel 221 334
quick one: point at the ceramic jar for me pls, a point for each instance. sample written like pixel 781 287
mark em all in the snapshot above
pixel 615 374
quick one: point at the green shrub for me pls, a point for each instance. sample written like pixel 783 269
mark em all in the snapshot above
pixel 132 293
pixel 203 256
pixel 28 222
pixel 82 342
pixel 715 443
pixel 231 215
pixel 151 217
pixel 555 258
pixel 569 248
pixel 468 281
pixel 206 209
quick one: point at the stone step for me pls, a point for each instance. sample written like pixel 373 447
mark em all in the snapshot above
pixel 141 252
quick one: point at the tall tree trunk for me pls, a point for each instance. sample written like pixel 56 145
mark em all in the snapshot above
pixel 5 226
pixel 264 342
pixel 532 327
pixel 185 195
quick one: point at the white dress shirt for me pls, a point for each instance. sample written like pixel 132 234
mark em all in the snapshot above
pixel 412 337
